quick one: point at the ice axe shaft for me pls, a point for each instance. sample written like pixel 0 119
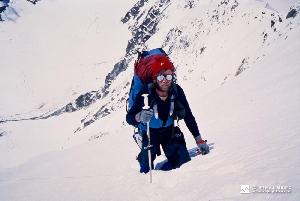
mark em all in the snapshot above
pixel 146 107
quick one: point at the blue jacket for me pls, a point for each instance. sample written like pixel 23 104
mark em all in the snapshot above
pixel 163 108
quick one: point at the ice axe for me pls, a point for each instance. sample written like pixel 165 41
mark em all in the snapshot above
pixel 146 107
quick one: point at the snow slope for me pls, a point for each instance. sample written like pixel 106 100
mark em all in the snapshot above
pixel 252 118
pixel 54 50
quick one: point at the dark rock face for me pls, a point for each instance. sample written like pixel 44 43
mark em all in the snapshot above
pixel 33 1
pixel 134 11
pixel 293 13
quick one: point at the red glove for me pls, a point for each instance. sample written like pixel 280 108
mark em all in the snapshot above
pixel 203 147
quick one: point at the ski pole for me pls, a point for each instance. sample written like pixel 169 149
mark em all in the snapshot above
pixel 146 107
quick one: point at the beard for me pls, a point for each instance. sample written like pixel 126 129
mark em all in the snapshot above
pixel 163 87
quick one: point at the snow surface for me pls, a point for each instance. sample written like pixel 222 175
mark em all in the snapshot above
pixel 252 118
pixel 56 47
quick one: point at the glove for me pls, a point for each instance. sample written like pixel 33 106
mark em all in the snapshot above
pixel 145 116
pixel 203 147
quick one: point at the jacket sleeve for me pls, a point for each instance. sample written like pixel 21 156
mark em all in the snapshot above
pixel 136 108
pixel 189 118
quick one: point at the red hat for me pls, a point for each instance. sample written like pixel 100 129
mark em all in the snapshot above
pixel 150 66
pixel 159 63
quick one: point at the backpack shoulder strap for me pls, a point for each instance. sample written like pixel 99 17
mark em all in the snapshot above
pixel 175 89
pixel 173 97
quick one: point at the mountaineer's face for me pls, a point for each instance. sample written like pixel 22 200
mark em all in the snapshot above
pixel 164 80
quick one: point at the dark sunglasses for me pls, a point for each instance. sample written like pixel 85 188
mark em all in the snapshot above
pixel 167 77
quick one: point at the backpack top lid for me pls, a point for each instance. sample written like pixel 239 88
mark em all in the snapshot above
pixel 156 51
pixel 150 63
